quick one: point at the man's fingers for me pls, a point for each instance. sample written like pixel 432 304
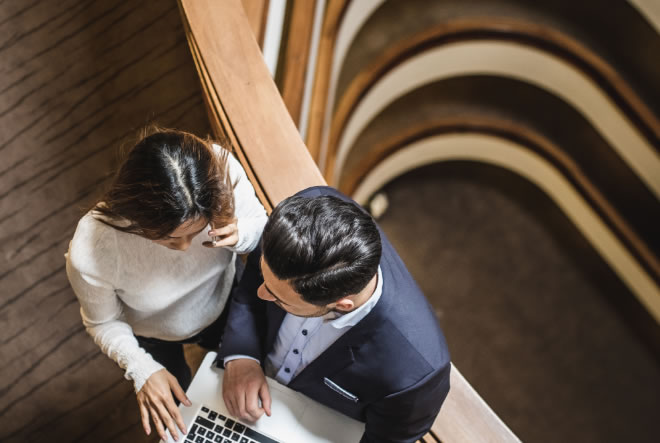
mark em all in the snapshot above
pixel 252 405
pixel 264 394
pixel 230 405
pixel 145 418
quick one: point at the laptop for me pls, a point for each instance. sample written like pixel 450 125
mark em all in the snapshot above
pixel 295 418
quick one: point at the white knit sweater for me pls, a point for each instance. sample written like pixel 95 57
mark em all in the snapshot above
pixel 128 285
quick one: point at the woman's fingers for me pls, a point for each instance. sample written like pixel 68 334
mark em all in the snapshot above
pixel 171 406
pixel 166 412
pixel 224 236
pixel 225 230
pixel 157 423
pixel 144 414
pixel 178 392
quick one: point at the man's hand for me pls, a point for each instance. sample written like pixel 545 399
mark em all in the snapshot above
pixel 243 385
pixel 155 400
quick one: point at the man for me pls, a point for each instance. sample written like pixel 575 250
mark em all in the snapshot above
pixel 330 310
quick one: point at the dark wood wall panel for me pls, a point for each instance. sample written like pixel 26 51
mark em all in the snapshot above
pixel 77 78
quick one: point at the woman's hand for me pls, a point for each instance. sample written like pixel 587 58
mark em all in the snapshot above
pixel 226 236
pixel 155 400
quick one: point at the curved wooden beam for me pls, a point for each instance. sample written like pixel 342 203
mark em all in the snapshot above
pixel 245 107
pixel 333 16
pixel 508 154
pixel 535 35
pixel 292 68
pixel 527 138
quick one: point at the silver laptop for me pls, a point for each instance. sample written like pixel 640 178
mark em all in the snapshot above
pixel 295 417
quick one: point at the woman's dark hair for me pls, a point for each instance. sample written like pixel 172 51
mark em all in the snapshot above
pixel 167 178
pixel 325 247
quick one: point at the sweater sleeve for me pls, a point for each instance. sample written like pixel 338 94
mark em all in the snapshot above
pixel 101 311
pixel 250 213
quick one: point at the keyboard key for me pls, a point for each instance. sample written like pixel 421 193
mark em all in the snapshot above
pixel 235 436
pixel 204 422
pixel 200 440
pixel 201 431
pixel 205 409
pixel 227 441
pixel 239 428
pixel 218 438
pixel 213 415
pixel 226 432
pixel 244 440
pixel 210 435
pixel 254 435
pixel 222 417
pixel 218 428
pixel 229 424
pixel 193 430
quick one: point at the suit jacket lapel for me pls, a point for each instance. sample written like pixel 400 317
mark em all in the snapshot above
pixel 340 355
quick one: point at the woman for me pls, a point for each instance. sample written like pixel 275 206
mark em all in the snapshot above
pixel 154 261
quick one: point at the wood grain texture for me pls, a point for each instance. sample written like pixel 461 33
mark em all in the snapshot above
pixel 244 95
pixel 257 13
pixel 332 18
pixel 77 79
pixel 265 137
pixel 534 34
pixel 531 140
pixel 292 67
pixel 457 422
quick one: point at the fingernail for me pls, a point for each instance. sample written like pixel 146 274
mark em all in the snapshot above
pixel 188 402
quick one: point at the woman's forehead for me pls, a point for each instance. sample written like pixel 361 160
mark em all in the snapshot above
pixel 188 227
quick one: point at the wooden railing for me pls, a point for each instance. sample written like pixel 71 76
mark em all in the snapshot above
pixel 246 108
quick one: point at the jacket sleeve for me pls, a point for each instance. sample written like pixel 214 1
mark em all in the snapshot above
pixel 245 330
pixel 406 416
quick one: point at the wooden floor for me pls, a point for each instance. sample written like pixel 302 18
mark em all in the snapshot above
pixel 77 77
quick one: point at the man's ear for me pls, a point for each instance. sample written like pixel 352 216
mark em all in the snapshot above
pixel 345 304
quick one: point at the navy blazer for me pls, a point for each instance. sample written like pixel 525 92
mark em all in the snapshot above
pixel 391 370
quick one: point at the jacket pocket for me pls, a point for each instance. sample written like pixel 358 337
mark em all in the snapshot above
pixel 339 390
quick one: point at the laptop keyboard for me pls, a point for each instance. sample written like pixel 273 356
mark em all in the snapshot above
pixel 210 426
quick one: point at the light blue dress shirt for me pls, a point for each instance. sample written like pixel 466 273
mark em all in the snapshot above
pixel 300 340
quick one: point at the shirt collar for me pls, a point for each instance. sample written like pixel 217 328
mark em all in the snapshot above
pixel 352 318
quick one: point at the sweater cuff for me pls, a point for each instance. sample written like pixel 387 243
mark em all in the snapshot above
pixel 142 368
pixel 249 234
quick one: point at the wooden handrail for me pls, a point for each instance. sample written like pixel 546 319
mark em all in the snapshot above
pixel 245 107
pixel 256 12
pixel 244 102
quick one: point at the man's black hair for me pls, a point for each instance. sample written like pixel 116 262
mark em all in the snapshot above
pixel 325 247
